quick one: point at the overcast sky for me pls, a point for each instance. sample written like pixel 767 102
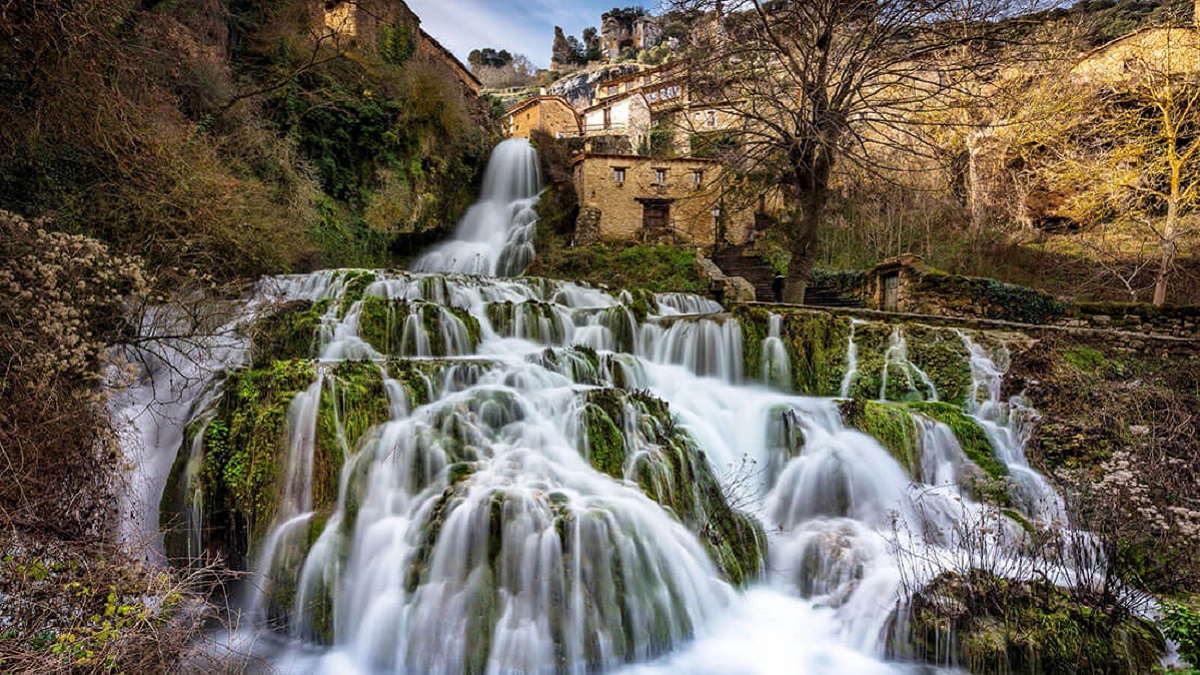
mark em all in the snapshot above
pixel 520 26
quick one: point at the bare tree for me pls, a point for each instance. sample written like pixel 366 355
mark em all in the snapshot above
pixel 808 84
pixel 1169 149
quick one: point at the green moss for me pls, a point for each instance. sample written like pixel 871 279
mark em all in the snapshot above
pixel 890 424
pixel 816 344
pixel 352 401
pixel 942 356
pixel 244 449
pixel 1093 362
pixel 289 332
pixel 672 471
pixel 414 376
pixel 658 269
pixel 996 625
pixel 538 321
pixel 605 442
pixel 382 322
pixel 356 283
pixel 642 303
pixel 970 435
pixel 245 446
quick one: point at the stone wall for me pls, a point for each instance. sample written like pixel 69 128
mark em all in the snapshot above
pixel 1182 322
pixel 550 114
pixel 622 204
pixel 928 292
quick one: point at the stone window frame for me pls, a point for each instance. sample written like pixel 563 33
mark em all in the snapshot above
pixel 619 175
pixel 697 178
pixel 660 175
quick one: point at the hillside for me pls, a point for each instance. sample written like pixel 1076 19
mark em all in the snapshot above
pixel 231 137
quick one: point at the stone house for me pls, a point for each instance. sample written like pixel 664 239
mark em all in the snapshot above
pixel 627 115
pixel 361 23
pixel 629 105
pixel 636 198
pixel 551 114
pixel 619 32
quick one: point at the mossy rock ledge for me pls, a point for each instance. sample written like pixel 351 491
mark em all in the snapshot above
pixel 244 448
pixel 988 624
pixel 673 472
pixel 817 344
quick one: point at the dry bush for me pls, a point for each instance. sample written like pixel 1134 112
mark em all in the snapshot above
pixel 73 607
pixel 1118 436
pixel 63 299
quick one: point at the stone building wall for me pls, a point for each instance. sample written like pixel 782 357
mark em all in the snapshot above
pixel 546 113
pixel 622 206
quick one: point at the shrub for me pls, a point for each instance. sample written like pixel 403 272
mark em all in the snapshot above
pixel 63 298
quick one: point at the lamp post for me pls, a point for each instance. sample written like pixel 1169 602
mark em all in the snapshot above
pixel 716 214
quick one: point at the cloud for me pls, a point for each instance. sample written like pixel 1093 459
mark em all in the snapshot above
pixel 520 26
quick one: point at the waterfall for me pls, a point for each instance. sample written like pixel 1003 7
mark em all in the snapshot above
pixel 851 375
pixel 495 237
pixel 776 365
pixel 468 473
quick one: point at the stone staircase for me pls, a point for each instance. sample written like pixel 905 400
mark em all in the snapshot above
pixel 736 261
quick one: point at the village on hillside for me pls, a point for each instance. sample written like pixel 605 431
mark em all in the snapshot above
pixel 646 134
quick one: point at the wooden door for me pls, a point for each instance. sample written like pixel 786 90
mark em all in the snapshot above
pixel 891 292
pixel 656 221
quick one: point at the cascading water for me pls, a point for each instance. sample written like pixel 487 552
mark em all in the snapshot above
pixel 545 483
pixel 495 238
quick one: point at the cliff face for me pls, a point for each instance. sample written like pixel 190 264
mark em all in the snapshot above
pixel 369 24
pixel 579 87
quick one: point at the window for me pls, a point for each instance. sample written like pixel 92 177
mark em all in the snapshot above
pixel 619 175
pixel 710 119
pixel 660 176
pixel 608 118
pixel 698 178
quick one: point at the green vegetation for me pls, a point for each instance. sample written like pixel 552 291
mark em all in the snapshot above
pixel 970 435
pixel 818 344
pixel 244 448
pixel 289 332
pixel 673 473
pixel 995 625
pixel 652 268
pixel 990 298
pixel 450 331
pixel 890 424
pixel 1181 625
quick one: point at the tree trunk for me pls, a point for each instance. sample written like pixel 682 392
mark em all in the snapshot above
pixel 1168 249
pixel 805 237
